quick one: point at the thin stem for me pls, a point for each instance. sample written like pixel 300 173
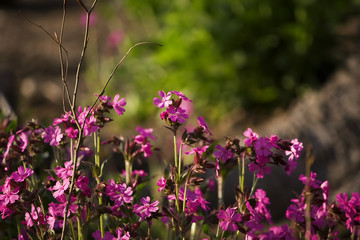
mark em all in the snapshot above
pixel 97 166
pixel 253 187
pixel 220 191
pixel 241 166
pixel 179 165
pixel 177 178
pixel 80 234
pixel 71 188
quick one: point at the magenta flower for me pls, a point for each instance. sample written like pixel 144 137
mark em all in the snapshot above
pixel 228 219
pixel 118 104
pixel 204 125
pixel 60 188
pixel 261 202
pixel 180 94
pixel 36 216
pixel 313 182
pixel 251 137
pixel 164 100
pixel 23 141
pixel 107 236
pixel 262 147
pixel 9 196
pixel 222 153
pixel 9 143
pixel 260 166
pixel 52 135
pixel 197 150
pixel 295 151
pixel 119 193
pixel 146 149
pixel 21 174
pixel 296 211
pixel 65 172
pixel 161 183
pixel 120 236
pixel 71 132
pixel 177 115
pixel 146 132
pixel 145 210
pixel 83 184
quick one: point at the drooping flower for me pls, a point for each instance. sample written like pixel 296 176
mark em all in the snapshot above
pixel 228 219
pixel 204 125
pixel 52 135
pixel 197 150
pixel 180 94
pixel 118 104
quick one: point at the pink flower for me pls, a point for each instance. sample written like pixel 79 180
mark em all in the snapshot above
pixel 34 216
pixel 228 219
pixel 295 151
pixel 23 142
pixel 181 95
pixel 118 104
pixel 120 236
pixel 21 174
pixel 9 143
pixel 146 149
pixel 197 150
pixel 119 193
pixel 9 196
pixel 60 188
pixel 52 135
pixel 71 132
pixel 251 137
pixel 262 147
pixel 65 172
pixel 260 166
pixel 107 236
pixel 83 184
pixel 164 100
pixel 145 210
pixel 161 183
pixel 146 132
pixel 177 115
pixel 203 124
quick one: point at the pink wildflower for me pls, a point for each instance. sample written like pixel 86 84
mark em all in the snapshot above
pixel 21 174
pixel 251 137
pixel 118 104
pixel 161 183
pixel 144 211
pixel 204 125
pixel 228 219
pixel 164 100
pixel 52 135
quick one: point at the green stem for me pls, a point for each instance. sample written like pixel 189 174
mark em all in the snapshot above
pixel 241 166
pixel 185 191
pixel 72 229
pixel 97 166
pixel 177 178
pixel 179 168
pixel 253 187
pixel 80 235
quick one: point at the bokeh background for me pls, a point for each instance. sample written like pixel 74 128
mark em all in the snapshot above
pixel 280 66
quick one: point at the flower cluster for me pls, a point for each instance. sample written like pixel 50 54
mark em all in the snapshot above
pixel 76 192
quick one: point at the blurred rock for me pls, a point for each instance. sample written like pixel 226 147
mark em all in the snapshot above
pixel 328 120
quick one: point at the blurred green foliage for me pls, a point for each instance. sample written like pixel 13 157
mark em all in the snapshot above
pixel 228 54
